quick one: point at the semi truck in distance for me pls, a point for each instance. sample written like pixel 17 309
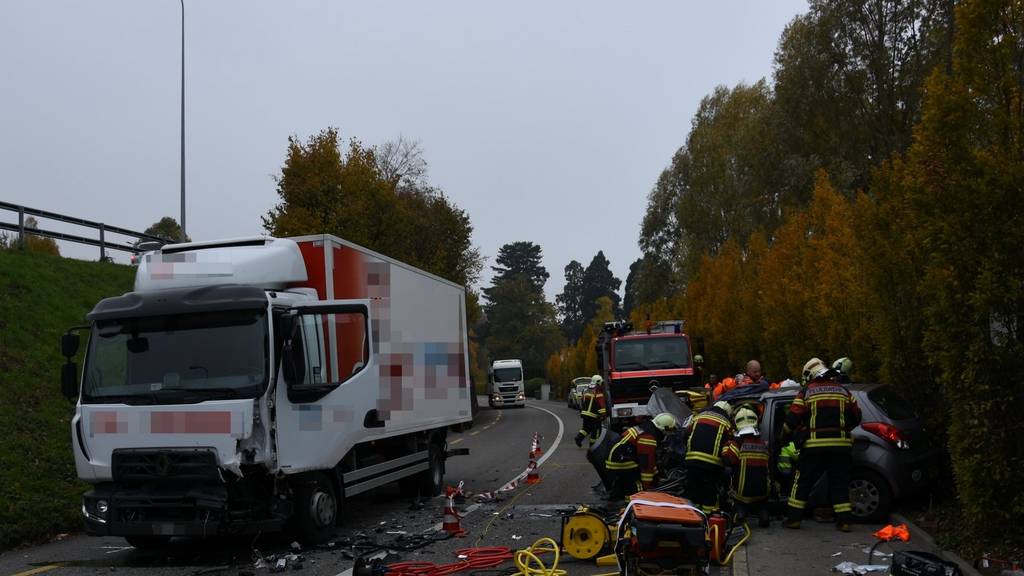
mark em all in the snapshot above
pixel 254 384
pixel 506 386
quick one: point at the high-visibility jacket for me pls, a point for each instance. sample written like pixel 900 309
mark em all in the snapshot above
pixel 722 387
pixel 638 448
pixel 787 459
pixel 710 431
pixel 823 416
pixel 749 456
pixel 593 404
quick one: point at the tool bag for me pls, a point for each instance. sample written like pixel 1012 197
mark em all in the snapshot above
pixel 914 563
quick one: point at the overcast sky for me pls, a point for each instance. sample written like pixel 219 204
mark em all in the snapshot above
pixel 545 121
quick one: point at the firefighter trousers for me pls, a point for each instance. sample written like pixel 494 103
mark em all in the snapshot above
pixel 703 485
pixel 591 428
pixel 814 462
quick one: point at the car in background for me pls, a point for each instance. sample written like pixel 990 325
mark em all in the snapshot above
pixel 893 455
pixel 576 390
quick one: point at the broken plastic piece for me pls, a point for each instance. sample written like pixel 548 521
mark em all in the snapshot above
pixel 852 568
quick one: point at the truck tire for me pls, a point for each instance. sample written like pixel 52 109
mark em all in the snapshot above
pixel 870 496
pixel 148 542
pixel 431 480
pixel 316 507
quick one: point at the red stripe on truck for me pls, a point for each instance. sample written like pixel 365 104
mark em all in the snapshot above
pixel 653 373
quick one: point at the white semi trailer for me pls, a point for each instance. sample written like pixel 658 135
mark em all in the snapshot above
pixel 249 385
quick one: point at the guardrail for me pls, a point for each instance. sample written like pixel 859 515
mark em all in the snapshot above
pixel 100 242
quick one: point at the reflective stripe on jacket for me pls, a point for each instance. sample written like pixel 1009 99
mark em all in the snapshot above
pixel 638 448
pixel 710 431
pixel 593 405
pixel 823 414
pixel 750 456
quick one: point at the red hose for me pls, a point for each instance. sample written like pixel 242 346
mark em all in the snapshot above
pixel 481 557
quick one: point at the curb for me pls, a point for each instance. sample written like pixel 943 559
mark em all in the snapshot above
pixel 739 562
pixel 917 533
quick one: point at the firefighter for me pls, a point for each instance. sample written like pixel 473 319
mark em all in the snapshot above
pixel 709 433
pixel 821 420
pixel 632 462
pixel 842 367
pixel 747 455
pixel 592 411
pixel 784 465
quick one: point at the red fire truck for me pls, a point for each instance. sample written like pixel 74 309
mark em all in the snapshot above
pixel 636 362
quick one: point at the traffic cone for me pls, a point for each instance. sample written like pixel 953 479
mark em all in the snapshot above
pixel 532 476
pixel 451 523
pixel 535 450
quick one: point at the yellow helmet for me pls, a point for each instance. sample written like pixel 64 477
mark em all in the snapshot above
pixel 596 380
pixel 664 422
pixel 746 421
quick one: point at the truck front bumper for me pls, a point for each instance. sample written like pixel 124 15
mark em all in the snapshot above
pixel 498 400
pixel 111 510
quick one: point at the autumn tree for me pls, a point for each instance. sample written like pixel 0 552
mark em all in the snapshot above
pixel 382 204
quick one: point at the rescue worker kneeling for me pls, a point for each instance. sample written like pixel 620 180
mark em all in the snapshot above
pixel 747 455
pixel 592 411
pixel 710 432
pixel 632 462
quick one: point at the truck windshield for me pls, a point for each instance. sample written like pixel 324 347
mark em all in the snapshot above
pixel 652 353
pixel 178 359
pixel 508 375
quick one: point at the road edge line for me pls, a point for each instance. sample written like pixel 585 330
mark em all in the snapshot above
pixel 558 437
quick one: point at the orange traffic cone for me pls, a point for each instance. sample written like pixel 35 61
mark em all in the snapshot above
pixel 532 476
pixel 535 451
pixel 451 523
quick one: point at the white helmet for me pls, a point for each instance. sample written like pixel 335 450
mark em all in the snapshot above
pixel 596 380
pixel 725 407
pixel 664 422
pixel 814 368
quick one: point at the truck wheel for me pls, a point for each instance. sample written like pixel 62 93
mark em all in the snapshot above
pixel 316 508
pixel 148 542
pixel 870 496
pixel 431 480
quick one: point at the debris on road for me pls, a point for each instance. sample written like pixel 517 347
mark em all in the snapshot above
pixel 854 569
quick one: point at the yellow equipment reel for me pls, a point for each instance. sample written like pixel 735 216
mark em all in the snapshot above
pixel 584 535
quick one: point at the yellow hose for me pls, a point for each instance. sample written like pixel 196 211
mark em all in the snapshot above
pixel 530 565
pixel 746 536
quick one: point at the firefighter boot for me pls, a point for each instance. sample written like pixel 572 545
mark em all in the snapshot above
pixel 579 438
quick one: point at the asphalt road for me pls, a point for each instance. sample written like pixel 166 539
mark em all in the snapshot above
pixel 499 445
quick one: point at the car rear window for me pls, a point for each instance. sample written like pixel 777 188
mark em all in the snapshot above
pixel 891 403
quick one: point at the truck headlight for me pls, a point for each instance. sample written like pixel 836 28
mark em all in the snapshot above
pixel 520 397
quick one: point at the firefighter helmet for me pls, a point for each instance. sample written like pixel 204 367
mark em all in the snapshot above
pixel 596 380
pixel 724 406
pixel 814 368
pixel 664 422
pixel 744 418
pixel 843 365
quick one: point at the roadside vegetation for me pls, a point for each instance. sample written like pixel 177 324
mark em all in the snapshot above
pixel 41 295
pixel 867 203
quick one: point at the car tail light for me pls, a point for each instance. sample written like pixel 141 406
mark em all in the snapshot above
pixel 887 432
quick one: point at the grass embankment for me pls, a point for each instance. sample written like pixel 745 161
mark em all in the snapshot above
pixel 41 296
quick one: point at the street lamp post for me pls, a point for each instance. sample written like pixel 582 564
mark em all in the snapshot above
pixel 183 235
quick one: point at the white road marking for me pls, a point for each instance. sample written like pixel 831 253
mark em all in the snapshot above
pixel 558 437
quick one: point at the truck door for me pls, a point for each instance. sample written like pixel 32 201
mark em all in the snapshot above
pixel 327 384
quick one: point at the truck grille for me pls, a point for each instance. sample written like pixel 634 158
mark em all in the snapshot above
pixel 639 389
pixel 511 388
pixel 161 464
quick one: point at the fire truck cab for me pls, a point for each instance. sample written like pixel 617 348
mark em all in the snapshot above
pixel 635 363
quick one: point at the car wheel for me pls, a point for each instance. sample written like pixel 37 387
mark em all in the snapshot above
pixel 870 496
pixel 316 508
pixel 148 542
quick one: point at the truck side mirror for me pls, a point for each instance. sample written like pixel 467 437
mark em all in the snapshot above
pixel 69 344
pixel 69 379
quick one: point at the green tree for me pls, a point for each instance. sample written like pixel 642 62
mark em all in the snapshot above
pixel 521 324
pixel 325 190
pixel 570 302
pixel 521 259
pixel 629 297
pixel 168 228
pixel 599 282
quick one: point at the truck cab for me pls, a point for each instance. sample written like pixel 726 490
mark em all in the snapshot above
pixel 635 363
pixel 506 384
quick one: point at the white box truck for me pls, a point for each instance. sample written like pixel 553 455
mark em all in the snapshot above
pixel 507 388
pixel 249 385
